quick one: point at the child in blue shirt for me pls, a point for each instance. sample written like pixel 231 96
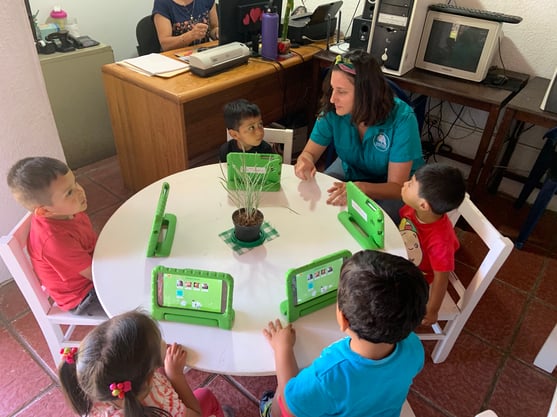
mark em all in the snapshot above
pixel 381 300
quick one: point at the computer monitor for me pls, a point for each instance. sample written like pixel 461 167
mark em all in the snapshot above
pixel 458 46
pixel 240 20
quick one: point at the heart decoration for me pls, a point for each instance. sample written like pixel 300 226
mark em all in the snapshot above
pixel 255 14
pixel 245 20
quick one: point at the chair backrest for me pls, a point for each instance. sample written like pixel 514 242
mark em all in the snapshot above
pixel 455 311
pixel 13 249
pixel 283 137
pixel 147 38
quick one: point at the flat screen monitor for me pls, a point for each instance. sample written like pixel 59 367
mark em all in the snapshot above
pixel 458 46
pixel 240 20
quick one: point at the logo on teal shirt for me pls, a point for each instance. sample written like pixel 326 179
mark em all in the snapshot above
pixel 381 142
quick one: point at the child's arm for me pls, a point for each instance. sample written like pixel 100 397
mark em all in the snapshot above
pixel 436 295
pixel 174 362
pixel 282 341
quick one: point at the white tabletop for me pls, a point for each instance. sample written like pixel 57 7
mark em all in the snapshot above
pixel 308 229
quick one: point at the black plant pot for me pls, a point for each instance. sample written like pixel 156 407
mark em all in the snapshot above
pixel 246 231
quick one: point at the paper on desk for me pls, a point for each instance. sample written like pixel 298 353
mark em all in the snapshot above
pixel 156 64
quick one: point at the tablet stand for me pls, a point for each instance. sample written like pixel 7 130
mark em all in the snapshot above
pixel 288 306
pixel 223 320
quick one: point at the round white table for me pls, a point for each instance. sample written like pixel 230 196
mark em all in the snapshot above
pixel 308 229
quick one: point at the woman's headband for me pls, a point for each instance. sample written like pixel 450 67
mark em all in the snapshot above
pixel 345 65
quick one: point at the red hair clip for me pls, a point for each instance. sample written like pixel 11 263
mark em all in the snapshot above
pixel 68 354
pixel 119 389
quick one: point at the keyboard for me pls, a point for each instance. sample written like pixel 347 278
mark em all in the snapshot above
pixel 481 14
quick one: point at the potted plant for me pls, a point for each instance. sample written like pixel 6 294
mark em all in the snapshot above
pixel 244 189
pixel 284 42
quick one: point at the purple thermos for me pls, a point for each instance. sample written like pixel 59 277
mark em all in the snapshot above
pixel 269 33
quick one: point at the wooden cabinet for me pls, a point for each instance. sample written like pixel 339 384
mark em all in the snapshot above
pixel 75 90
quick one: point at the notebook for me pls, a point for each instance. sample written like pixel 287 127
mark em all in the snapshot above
pixel 254 169
pixel 363 218
pixel 156 64
pixel 192 296
pixel 313 286
pixel 163 228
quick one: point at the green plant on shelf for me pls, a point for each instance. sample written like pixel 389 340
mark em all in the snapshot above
pixel 286 20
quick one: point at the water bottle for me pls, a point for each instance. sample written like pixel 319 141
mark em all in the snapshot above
pixel 269 33
pixel 58 16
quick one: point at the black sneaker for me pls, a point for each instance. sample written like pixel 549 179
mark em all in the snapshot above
pixel 265 403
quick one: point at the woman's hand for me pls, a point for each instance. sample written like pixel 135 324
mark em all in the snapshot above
pixel 305 168
pixel 175 360
pixel 337 194
pixel 199 31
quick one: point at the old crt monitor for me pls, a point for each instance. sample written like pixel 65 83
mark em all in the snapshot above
pixel 458 46
pixel 240 20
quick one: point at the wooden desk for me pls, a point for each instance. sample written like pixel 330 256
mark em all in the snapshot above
pixel 454 90
pixel 308 228
pixel 524 108
pixel 160 125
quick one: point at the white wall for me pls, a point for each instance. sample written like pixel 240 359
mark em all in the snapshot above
pixel 28 127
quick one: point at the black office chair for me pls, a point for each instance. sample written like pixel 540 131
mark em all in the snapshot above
pixel 418 105
pixel 546 163
pixel 146 34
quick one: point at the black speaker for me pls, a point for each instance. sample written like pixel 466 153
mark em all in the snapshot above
pixel 360 33
pixel 367 11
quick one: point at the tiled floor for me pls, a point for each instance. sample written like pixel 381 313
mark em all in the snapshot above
pixel 489 367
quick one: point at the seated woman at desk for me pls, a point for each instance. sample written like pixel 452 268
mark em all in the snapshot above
pixel 182 23
pixel 375 134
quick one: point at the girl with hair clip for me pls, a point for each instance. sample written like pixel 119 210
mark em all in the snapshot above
pixel 375 134
pixel 116 372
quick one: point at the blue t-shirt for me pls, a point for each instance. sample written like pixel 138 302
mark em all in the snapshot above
pixel 397 139
pixel 183 18
pixel 342 383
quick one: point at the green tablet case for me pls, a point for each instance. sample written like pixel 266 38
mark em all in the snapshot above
pixel 163 229
pixel 363 218
pixel 223 320
pixel 260 170
pixel 294 310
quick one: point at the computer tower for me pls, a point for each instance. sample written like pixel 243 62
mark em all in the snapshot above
pixel 359 38
pixel 395 33
pixel 367 11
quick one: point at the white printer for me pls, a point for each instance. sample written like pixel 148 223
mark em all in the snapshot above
pixel 218 58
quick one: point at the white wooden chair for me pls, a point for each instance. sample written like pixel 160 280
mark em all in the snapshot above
pixel 57 325
pixel 283 137
pixel 455 311
pixel 547 356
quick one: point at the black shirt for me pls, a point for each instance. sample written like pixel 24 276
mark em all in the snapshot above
pixel 232 146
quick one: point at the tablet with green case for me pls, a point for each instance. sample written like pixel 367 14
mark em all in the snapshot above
pixel 163 228
pixel 363 218
pixel 313 286
pixel 254 168
pixel 192 296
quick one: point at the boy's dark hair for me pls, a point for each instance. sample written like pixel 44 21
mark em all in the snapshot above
pixel 373 97
pixel 30 178
pixel 382 296
pixel 125 348
pixel 442 186
pixel 236 111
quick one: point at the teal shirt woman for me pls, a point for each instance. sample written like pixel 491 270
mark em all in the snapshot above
pixel 375 134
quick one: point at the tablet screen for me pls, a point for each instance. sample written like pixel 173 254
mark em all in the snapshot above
pixel 191 292
pixel 316 280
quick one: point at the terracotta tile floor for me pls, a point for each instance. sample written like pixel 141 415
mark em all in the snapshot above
pixel 489 367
